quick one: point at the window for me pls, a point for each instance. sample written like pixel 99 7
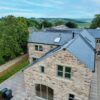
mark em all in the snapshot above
pixel 34 59
pixel 67 72
pixel 71 97
pixel 44 92
pixel 60 71
pixel 38 48
pixel 42 69
pixel 98 52
pixel 98 40
pixel 64 71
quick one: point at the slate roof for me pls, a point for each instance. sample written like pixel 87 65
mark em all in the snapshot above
pixel 49 37
pixel 82 46
pixel 82 50
pixel 94 32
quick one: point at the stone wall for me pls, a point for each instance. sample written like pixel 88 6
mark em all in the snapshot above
pixel 37 54
pixel 79 84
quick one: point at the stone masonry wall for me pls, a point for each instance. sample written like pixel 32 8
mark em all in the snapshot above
pixel 79 84
pixel 37 54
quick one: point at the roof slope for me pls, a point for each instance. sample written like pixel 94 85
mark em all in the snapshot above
pixel 49 37
pixel 82 50
pixel 94 32
pixel 79 47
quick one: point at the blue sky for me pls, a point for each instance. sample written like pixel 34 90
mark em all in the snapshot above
pixel 50 8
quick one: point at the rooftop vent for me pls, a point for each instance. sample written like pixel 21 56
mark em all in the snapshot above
pixel 57 39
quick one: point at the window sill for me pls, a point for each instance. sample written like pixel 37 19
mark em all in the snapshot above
pixel 39 98
pixel 64 79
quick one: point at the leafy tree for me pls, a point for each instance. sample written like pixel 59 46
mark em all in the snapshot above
pixel 71 25
pixel 13 37
pixel 59 23
pixel 33 23
pixel 95 22
pixel 46 24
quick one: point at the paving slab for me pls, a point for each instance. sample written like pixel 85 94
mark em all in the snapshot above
pixel 16 84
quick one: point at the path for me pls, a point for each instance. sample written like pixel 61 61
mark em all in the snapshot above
pixel 10 63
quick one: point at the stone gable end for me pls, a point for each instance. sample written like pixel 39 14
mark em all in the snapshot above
pixel 79 84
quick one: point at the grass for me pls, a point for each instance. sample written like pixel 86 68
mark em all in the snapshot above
pixel 14 69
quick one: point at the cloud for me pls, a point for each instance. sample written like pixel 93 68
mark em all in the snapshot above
pixel 47 4
pixel 25 14
pixel 15 9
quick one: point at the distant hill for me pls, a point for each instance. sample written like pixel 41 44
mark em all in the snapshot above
pixel 82 22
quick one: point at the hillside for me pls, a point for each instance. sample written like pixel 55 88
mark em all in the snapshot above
pixel 80 22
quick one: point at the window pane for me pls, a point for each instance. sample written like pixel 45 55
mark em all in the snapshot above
pixel 38 90
pixel 34 59
pixel 60 74
pixel 42 69
pixel 36 47
pixel 40 48
pixel 44 91
pixel 68 69
pixel 60 68
pixel 67 75
pixel 71 97
pixel 50 94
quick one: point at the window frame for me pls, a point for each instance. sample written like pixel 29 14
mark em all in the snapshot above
pixel 41 92
pixel 38 48
pixel 64 72
pixel 42 70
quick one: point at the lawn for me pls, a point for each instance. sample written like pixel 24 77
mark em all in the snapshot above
pixel 14 69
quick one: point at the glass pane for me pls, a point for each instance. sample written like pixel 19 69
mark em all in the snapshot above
pixel 50 94
pixel 71 95
pixel 67 69
pixel 44 91
pixel 34 59
pixel 67 75
pixel 60 68
pixel 60 74
pixel 36 47
pixel 40 48
pixel 71 99
pixel 37 90
pixel 42 69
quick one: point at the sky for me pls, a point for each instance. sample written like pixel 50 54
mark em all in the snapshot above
pixel 50 8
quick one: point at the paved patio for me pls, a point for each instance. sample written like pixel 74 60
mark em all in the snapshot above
pixel 16 83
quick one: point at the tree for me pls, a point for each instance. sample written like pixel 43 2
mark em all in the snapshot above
pixel 13 37
pixel 46 24
pixel 60 22
pixel 33 23
pixel 71 25
pixel 95 22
